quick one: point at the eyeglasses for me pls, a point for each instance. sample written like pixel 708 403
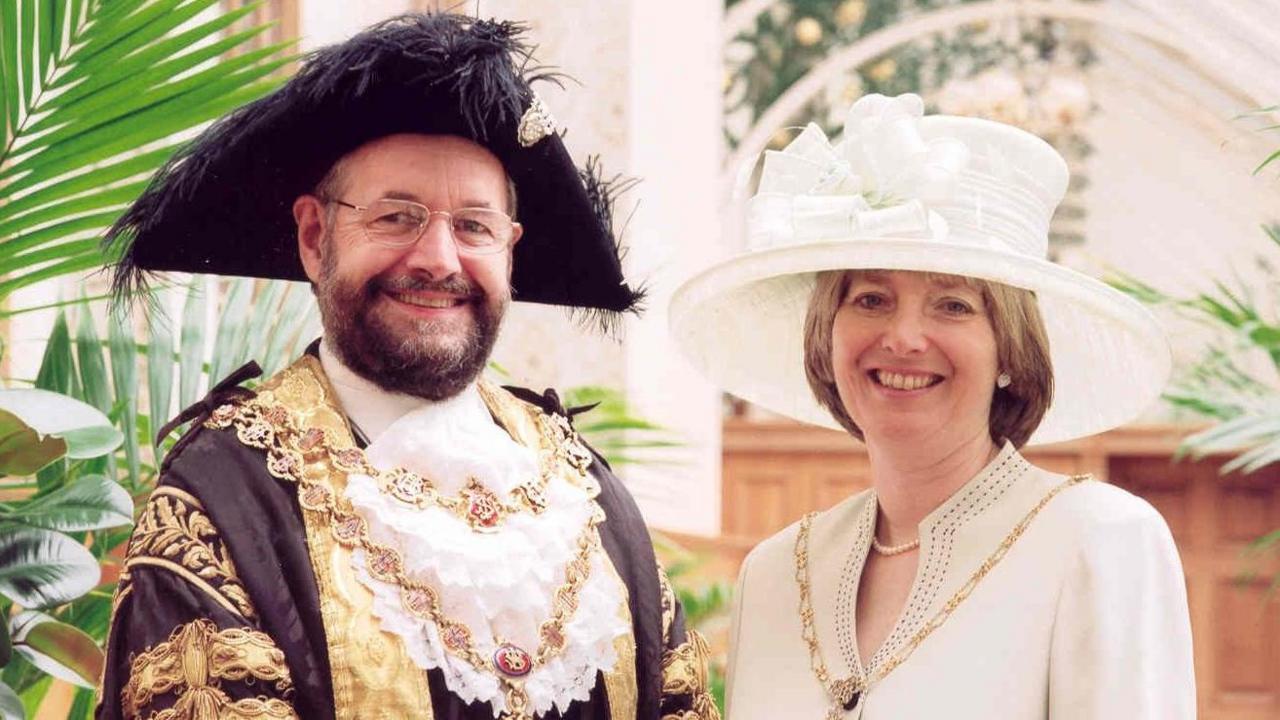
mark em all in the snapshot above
pixel 400 223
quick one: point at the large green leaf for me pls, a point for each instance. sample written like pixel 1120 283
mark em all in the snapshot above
pixel 6 643
pixel 124 380
pixel 93 179
pixel 9 64
pixel 159 370
pixel 101 115
pixel 23 451
pixel 34 692
pixel 93 369
pixel 73 265
pixel 281 346
pixel 91 502
pixel 41 568
pixel 151 123
pixel 85 89
pixel 191 344
pixel 228 344
pixel 95 80
pixel 88 432
pixel 10 704
pixel 57 370
pixel 108 197
pixel 80 114
pixel 50 233
pixel 64 651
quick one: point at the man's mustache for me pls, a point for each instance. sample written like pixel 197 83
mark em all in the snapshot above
pixel 453 285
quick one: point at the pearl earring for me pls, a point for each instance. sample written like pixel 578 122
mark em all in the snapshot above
pixel 1003 380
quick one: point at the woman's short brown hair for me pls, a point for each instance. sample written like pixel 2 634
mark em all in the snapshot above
pixel 1022 351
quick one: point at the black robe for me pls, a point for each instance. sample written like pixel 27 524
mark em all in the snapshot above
pixel 219 569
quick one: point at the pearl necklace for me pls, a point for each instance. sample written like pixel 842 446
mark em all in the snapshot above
pixel 887 550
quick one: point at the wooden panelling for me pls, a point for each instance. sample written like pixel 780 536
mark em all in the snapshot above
pixel 775 472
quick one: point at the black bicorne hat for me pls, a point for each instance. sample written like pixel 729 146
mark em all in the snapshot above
pixel 223 204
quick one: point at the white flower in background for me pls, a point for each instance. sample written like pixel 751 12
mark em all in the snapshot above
pixel 960 97
pixel 1004 96
pixel 1064 100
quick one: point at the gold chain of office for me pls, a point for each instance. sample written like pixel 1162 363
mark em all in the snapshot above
pixel 289 448
pixel 845 692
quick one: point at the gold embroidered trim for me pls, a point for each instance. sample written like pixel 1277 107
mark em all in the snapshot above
pixel 668 604
pixel 174 533
pixel 194 661
pixel 620 684
pixel 247 709
pixel 684 672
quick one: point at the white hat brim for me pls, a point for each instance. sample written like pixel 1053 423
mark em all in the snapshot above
pixel 741 323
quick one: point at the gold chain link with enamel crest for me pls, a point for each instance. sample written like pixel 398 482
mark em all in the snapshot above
pixel 273 428
pixel 479 506
pixel 842 692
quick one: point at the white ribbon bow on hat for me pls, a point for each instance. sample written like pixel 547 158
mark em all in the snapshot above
pixel 878 181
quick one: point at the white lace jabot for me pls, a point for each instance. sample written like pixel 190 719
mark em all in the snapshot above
pixel 500 584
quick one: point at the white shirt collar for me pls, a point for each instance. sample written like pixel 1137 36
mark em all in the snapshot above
pixel 372 409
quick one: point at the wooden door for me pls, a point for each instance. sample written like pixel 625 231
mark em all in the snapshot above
pixel 1235 616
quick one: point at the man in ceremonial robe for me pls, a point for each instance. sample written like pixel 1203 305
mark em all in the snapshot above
pixel 377 531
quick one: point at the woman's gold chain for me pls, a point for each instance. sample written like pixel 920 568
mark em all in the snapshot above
pixel 844 692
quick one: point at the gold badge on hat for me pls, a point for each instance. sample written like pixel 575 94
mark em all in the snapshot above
pixel 536 123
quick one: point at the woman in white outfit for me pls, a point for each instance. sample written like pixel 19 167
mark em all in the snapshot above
pixel 896 286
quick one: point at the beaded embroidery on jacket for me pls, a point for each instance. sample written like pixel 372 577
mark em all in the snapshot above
pixel 935 556
pixel 844 693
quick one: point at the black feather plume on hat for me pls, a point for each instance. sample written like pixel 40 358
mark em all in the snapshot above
pixel 603 194
pixel 223 203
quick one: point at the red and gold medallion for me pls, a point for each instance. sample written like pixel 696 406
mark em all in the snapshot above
pixel 483 509
pixel 512 661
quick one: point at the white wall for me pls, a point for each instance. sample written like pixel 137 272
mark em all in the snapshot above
pixel 647 101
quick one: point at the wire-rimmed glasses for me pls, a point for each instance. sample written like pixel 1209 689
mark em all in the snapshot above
pixel 400 223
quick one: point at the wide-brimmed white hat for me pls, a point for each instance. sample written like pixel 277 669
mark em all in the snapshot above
pixel 902 191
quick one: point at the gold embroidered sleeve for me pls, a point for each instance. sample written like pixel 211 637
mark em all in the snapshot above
pixel 191 671
pixel 668 605
pixel 175 533
pixel 684 673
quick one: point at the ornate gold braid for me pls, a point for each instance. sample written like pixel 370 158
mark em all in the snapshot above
pixel 668 601
pixel 842 691
pixel 174 533
pixel 194 661
pixel 684 672
pixel 273 428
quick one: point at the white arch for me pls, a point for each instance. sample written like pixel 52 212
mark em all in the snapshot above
pixel 882 41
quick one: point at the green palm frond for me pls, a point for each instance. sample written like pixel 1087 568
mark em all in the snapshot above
pixel 94 96
pixel 615 431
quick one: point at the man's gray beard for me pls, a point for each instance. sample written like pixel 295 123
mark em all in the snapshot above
pixel 406 363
